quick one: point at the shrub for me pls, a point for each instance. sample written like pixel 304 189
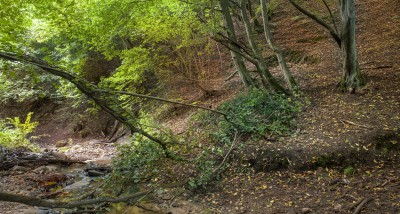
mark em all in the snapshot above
pixel 15 134
pixel 258 113
pixel 136 161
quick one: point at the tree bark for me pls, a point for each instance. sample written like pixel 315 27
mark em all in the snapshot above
pixel 266 77
pixel 351 74
pixel 281 60
pixel 236 57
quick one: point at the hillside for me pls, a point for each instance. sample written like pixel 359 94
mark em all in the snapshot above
pixel 343 155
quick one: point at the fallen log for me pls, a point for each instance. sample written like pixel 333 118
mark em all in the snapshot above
pixel 6 165
pixel 32 201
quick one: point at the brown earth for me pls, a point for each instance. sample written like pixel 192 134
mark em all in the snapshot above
pixel 335 131
pixel 304 172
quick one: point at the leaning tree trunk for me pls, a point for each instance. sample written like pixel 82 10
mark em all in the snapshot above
pixel 236 57
pixel 351 74
pixel 92 92
pixel 266 77
pixel 281 60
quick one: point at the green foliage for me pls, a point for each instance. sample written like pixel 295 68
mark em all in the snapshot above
pixel 15 134
pixel 349 171
pixel 20 83
pixel 206 166
pixel 272 5
pixel 257 113
pixel 135 162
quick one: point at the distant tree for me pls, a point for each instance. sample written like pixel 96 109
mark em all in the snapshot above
pixel 251 51
pixel 352 77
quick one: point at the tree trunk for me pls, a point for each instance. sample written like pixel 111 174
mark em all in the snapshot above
pixel 236 57
pixel 351 74
pixel 281 60
pixel 253 16
pixel 266 77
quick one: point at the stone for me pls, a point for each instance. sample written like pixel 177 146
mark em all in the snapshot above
pixel 306 210
pixel 61 143
pixel 176 210
pixel 19 169
pixel 337 207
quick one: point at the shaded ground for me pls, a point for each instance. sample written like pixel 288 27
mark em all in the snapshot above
pixel 335 131
pixel 304 173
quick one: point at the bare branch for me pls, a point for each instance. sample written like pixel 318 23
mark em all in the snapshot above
pixel 335 36
pixel 330 13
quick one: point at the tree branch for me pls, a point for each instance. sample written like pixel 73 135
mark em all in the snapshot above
pixel 330 13
pixel 160 99
pixel 335 36
pixel 89 90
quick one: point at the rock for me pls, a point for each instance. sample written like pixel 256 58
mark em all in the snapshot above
pixel 95 173
pixel 45 169
pixel 176 210
pixel 306 210
pixel 19 169
pixel 337 207
pixel 61 143
pixel 94 142
pixel 79 184
pixel 151 206
pixel 58 155
pixel 103 161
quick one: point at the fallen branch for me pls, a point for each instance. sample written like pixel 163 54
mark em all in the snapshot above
pixel 235 140
pixel 6 165
pixel 231 76
pixel 354 124
pixel 32 201
pixel 360 206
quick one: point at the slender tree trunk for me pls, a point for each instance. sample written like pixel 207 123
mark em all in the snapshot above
pixel 281 60
pixel 257 25
pixel 351 74
pixel 236 57
pixel 268 80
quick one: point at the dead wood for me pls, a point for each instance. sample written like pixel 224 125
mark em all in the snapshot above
pixel 6 165
pixel 361 205
pixel 32 201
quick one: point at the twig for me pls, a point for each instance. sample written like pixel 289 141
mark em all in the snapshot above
pixel 354 124
pixel 231 76
pixel 235 140
pixel 360 206
pixel 358 201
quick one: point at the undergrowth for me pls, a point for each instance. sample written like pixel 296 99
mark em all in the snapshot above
pixel 14 133
pixel 252 115
pixel 255 114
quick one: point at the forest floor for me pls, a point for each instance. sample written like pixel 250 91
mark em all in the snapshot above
pixel 304 172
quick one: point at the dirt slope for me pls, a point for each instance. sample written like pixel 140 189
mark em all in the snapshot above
pixel 336 130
